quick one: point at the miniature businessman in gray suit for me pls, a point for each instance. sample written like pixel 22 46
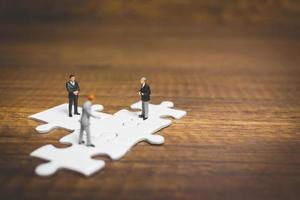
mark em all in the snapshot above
pixel 145 97
pixel 72 87
pixel 85 121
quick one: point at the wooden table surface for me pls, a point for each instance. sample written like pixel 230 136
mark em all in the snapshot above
pixel 239 140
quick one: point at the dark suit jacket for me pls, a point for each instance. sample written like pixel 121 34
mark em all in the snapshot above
pixel 146 91
pixel 72 88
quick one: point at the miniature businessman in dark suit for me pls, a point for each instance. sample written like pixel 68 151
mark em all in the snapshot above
pixel 145 97
pixel 73 89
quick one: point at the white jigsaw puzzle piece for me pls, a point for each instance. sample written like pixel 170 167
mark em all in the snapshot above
pixel 121 132
pixel 164 109
pixel 116 139
pixel 57 117
pixel 76 158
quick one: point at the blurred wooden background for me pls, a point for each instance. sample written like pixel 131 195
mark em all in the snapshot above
pixel 200 12
pixel 239 83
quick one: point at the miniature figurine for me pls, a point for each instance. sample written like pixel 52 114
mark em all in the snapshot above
pixel 145 97
pixel 73 89
pixel 85 121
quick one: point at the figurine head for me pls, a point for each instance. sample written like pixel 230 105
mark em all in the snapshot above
pixel 91 97
pixel 72 77
pixel 143 80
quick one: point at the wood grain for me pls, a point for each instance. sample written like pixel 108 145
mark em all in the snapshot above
pixel 240 139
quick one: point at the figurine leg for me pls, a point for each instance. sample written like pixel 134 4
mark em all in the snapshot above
pixel 81 135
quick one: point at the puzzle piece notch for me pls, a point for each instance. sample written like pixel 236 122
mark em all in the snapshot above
pixel 57 117
pixel 164 109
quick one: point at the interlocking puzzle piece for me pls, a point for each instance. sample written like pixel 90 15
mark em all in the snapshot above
pixel 76 158
pixel 57 117
pixel 121 132
pixel 164 109
pixel 113 135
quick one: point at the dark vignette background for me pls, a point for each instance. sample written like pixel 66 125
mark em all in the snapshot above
pixel 232 64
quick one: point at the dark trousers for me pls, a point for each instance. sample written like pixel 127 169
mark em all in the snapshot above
pixel 73 100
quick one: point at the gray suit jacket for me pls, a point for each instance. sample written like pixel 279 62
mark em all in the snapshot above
pixel 86 113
